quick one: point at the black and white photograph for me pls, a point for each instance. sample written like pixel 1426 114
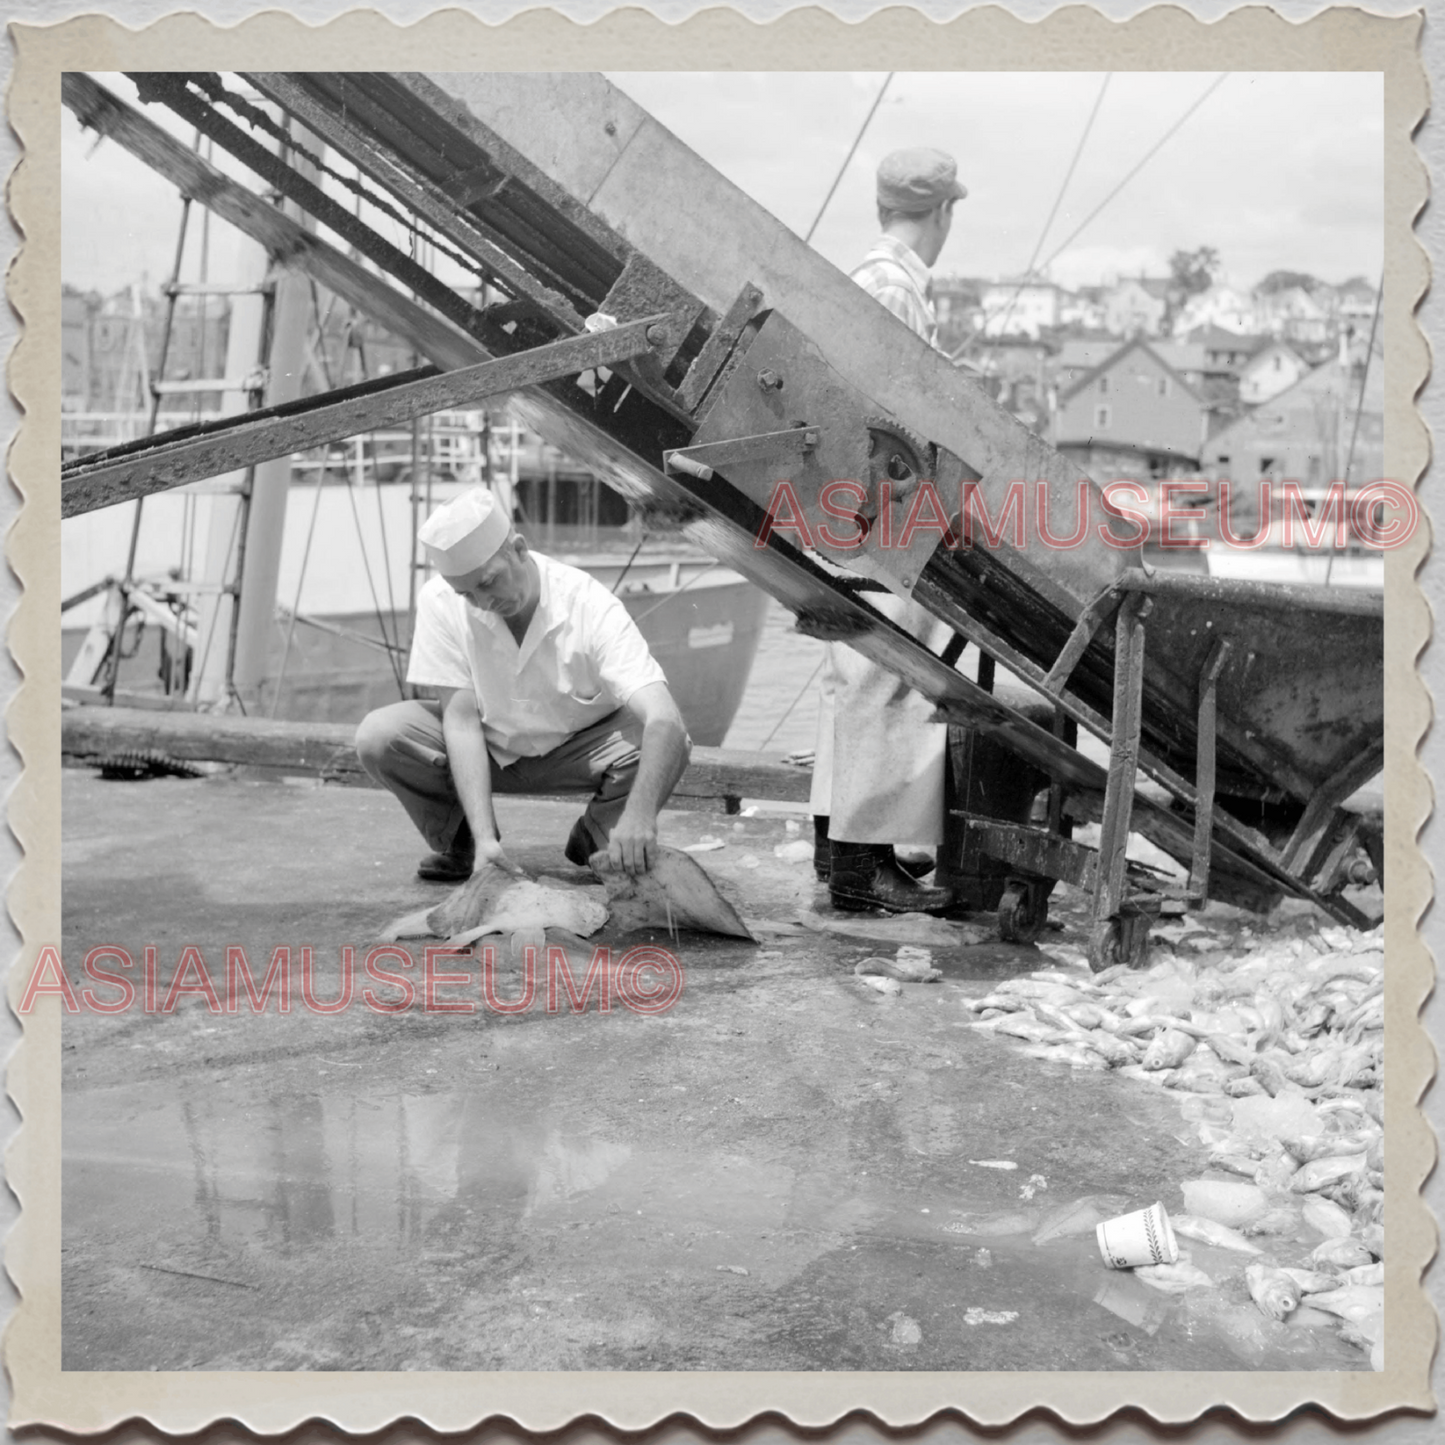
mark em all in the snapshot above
pixel 723 721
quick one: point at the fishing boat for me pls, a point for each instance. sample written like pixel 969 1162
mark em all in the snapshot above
pixel 349 571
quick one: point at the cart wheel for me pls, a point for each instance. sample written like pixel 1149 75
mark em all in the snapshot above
pixel 1022 912
pixel 1105 945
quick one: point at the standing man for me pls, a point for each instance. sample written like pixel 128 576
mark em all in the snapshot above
pixel 544 685
pixel 879 769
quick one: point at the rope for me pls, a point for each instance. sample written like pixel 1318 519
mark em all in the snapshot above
pixel 1139 166
pixel 788 710
pixel 628 567
pixel 837 180
pixel 1058 201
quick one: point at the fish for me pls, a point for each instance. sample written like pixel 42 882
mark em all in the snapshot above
pixel 1342 1253
pixel 1079 1217
pixel 1114 1052
pixel 1373 1273
pixel 1174 1278
pixel 1327 1218
pixel 1276 1294
pixel 1210 1231
pixel 1352 1302
pixel 1168 1050
pixel 675 893
pixel 1025 1026
pixel 1311 1281
pixel 880 983
pixel 904 969
pixel 495 901
pixel 1320 1173
pixel 1282 1219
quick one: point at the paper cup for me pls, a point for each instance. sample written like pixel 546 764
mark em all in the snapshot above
pixel 1144 1237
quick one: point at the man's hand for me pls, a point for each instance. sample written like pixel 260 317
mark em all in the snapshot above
pixel 490 855
pixel 633 844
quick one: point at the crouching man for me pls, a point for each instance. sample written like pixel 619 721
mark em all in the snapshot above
pixel 544 686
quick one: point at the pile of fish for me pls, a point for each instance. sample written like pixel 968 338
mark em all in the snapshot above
pixel 1276 1048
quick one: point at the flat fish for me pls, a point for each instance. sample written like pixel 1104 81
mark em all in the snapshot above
pixel 1276 1294
pixel 493 901
pixel 674 893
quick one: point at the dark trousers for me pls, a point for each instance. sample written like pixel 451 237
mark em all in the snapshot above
pixel 403 748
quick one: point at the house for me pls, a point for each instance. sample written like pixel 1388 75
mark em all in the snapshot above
pixel 1303 434
pixel 1083 310
pixel 1355 303
pixel 1294 315
pixel 1136 304
pixel 1220 308
pixel 1274 367
pixel 1022 306
pixel 1133 415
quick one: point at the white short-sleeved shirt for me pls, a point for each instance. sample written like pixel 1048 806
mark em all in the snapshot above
pixel 581 659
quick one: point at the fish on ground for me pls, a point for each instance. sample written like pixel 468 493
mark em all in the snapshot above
pixel 1276 1294
pixel 495 901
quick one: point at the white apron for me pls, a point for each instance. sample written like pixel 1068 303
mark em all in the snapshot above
pixel 878 773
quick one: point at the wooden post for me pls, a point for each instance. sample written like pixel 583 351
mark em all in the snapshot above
pixel 1123 756
pixel 1204 771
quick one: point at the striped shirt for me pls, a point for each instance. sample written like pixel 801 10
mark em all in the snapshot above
pixel 892 273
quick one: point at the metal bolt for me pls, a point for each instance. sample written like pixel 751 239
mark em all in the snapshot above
pixel 769 380
pixel 656 335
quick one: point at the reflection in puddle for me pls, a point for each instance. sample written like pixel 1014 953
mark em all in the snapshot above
pixel 306 1198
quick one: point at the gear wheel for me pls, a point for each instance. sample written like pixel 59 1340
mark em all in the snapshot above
pixel 896 454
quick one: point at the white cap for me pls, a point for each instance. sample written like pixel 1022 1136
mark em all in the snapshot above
pixel 464 533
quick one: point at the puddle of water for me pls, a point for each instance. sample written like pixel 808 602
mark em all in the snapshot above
pixel 281 1183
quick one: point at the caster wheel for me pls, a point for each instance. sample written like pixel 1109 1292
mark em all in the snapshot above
pixel 1022 912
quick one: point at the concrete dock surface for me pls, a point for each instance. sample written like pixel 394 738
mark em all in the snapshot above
pixel 769 1175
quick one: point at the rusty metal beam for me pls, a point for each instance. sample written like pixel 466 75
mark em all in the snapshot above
pixel 237 442
pixel 291 245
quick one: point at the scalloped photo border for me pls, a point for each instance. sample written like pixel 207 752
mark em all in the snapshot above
pixel 1164 38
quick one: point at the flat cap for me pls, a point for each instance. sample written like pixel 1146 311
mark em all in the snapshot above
pixel 915 181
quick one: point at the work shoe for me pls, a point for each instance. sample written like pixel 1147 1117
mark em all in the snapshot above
pixel 580 846
pixel 453 866
pixel 866 875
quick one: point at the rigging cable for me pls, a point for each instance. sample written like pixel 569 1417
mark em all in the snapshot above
pixel 1054 211
pixel 1134 171
pixel 857 140
pixel 1359 406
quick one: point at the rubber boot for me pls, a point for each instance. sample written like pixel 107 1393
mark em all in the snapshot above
pixel 865 875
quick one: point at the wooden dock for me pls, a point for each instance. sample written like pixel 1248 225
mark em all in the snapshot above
pixel 716 778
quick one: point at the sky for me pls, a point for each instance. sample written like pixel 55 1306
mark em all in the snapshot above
pixel 1275 171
